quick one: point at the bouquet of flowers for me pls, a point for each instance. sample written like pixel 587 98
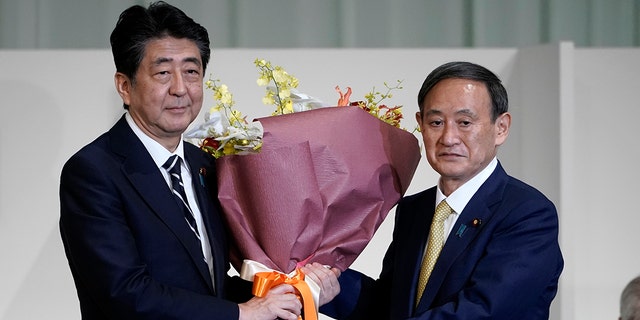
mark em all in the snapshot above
pixel 310 186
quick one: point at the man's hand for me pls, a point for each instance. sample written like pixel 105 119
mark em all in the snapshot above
pixel 326 278
pixel 280 302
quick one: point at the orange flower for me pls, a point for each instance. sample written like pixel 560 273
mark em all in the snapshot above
pixel 344 97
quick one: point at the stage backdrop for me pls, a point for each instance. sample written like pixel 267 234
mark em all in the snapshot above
pixel 573 137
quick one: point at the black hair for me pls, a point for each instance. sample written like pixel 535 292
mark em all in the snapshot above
pixel 471 71
pixel 137 25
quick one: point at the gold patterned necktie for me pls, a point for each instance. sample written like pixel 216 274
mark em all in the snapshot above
pixel 436 242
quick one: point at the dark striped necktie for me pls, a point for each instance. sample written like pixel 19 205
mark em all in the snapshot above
pixel 173 167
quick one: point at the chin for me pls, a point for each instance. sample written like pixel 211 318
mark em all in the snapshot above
pixel 178 127
pixel 449 169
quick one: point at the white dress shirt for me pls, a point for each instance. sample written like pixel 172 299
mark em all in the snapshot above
pixel 459 199
pixel 160 154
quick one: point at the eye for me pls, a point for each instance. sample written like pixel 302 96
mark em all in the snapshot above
pixel 465 123
pixel 162 75
pixel 436 123
pixel 192 74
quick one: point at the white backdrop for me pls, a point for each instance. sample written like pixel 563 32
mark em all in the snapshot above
pixel 571 108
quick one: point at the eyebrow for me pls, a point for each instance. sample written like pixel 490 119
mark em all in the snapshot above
pixel 162 60
pixel 466 112
pixel 432 112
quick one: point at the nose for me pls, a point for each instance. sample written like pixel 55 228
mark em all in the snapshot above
pixel 178 85
pixel 449 135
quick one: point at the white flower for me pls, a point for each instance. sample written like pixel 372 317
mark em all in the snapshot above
pixel 215 125
pixel 305 102
pixel 252 133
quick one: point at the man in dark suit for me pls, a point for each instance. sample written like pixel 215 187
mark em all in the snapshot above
pixel 136 250
pixel 500 258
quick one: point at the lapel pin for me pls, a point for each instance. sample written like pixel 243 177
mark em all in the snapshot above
pixel 476 222
pixel 203 173
pixel 461 230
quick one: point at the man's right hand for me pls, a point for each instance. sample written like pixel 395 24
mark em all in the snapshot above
pixel 279 303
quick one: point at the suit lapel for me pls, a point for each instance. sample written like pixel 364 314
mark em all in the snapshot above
pixel 464 232
pixel 145 177
pixel 411 251
pixel 202 174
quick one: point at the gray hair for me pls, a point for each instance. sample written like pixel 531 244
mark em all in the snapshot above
pixel 630 301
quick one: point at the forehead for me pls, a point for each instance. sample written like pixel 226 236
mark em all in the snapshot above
pixel 169 49
pixel 458 93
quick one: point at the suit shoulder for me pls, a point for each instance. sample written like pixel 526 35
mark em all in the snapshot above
pixel 525 199
pixel 517 187
pixel 417 198
pixel 93 150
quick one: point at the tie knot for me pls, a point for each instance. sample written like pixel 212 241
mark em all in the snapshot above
pixel 442 211
pixel 173 164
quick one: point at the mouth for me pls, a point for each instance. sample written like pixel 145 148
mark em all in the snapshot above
pixel 176 108
pixel 449 155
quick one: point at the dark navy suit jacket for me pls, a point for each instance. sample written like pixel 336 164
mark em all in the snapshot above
pixel 130 251
pixel 504 267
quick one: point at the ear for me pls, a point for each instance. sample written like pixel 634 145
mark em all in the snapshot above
pixel 123 86
pixel 419 119
pixel 502 125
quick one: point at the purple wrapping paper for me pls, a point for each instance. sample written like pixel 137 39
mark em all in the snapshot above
pixel 321 186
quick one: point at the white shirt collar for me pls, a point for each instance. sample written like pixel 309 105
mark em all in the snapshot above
pixel 458 199
pixel 159 153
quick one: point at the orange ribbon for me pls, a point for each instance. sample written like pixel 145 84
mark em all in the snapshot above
pixel 264 281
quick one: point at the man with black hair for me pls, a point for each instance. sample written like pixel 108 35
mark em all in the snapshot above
pixel 139 218
pixel 480 244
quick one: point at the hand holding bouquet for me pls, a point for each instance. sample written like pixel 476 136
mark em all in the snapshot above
pixel 316 185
